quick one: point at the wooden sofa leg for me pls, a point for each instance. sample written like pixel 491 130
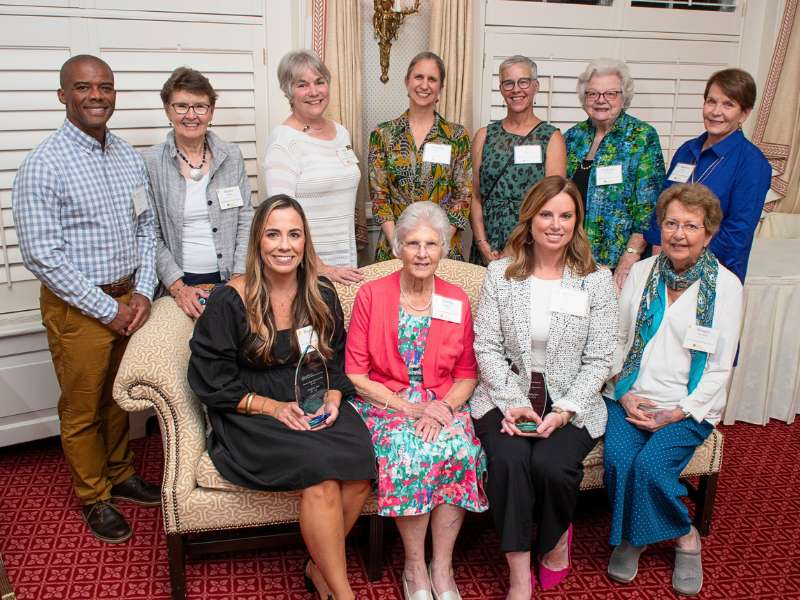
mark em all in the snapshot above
pixel 176 554
pixel 704 509
pixel 375 548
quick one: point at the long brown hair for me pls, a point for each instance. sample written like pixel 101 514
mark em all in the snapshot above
pixel 308 307
pixel 520 245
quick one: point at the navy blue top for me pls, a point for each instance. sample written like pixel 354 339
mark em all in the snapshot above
pixel 740 179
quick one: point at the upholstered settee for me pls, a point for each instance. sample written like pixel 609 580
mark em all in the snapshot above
pixel 204 513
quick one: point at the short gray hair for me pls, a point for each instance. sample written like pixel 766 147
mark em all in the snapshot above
pixel 518 59
pixel 415 215
pixel 607 66
pixel 293 64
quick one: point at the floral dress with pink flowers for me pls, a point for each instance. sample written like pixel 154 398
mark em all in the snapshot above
pixel 416 476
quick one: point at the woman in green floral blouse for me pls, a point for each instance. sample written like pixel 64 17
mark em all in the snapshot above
pixel 617 163
pixel 420 156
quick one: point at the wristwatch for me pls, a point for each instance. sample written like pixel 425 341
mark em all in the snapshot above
pixel 630 250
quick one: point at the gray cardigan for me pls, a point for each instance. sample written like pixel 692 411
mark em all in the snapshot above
pixel 230 227
pixel 579 350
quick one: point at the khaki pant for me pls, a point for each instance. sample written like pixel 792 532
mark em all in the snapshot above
pixel 94 430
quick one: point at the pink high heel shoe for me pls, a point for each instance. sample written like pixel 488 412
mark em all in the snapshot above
pixel 550 579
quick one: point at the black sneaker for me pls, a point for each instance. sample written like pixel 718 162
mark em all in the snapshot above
pixel 106 523
pixel 137 490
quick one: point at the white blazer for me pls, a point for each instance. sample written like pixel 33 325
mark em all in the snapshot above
pixel 579 350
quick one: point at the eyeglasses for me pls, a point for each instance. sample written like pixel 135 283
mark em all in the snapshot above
pixel 430 247
pixel 182 108
pixel 610 95
pixel 523 83
pixel 690 228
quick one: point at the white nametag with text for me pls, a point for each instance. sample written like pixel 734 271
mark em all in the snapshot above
pixel 347 156
pixel 681 173
pixel 230 197
pixel 701 338
pixel 608 175
pixel 446 309
pixel 306 336
pixel 570 301
pixel 437 153
pixel 528 155
pixel 139 200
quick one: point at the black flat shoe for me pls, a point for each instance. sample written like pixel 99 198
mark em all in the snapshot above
pixel 137 490
pixel 106 523
pixel 310 587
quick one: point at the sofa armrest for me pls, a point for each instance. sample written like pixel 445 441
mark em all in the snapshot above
pixel 153 374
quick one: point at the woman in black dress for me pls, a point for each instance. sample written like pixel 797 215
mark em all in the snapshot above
pixel 245 348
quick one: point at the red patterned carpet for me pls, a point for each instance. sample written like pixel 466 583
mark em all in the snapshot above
pixel 752 552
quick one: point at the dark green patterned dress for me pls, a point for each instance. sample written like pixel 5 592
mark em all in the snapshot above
pixel 503 184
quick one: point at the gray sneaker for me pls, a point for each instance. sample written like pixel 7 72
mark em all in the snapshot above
pixel 687 576
pixel 624 562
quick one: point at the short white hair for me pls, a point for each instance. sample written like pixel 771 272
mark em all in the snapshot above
pixel 518 59
pixel 416 215
pixel 292 66
pixel 607 66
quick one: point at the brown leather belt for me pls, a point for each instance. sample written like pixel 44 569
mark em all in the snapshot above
pixel 118 288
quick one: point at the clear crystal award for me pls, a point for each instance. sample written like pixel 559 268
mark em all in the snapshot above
pixel 311 381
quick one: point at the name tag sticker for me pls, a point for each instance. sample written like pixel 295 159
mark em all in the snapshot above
pixel 701 338
pixel 681 173
pixel 306 336
pixel 437 153
pixel 230 197
pixel 608 175
pixel 347 156
pixel 139 200
pixel 569 301
pixel 446 309
pixel 528 155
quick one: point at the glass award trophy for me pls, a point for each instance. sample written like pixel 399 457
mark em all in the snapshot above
pixel 311 382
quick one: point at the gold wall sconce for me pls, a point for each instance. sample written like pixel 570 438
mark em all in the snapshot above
pixel 389 15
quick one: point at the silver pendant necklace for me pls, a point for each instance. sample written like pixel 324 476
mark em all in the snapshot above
pixel 196 173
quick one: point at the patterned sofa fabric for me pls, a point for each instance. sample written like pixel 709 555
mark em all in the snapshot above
pixel 195 497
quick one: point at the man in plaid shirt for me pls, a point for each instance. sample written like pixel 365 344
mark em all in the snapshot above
pixel 86 231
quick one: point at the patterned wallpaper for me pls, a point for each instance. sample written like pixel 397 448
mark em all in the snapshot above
pixel 382 102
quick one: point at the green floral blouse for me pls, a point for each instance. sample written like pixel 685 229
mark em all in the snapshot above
pixel 398 176
pixel 615 211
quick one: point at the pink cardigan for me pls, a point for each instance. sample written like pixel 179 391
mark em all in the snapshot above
pixel 372 339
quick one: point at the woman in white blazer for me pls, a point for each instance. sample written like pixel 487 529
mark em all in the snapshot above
pixel 545 335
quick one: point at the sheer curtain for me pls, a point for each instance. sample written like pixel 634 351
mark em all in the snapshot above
pixel 340 40
pixel 777 130
pixel 451 38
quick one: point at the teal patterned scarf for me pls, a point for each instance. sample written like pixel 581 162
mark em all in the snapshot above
pixel 651 312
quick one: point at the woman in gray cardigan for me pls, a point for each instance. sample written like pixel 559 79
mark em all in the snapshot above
pixel 201 196
pixel 545 335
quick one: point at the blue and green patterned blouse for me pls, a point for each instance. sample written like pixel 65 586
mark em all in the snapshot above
pixel 614 212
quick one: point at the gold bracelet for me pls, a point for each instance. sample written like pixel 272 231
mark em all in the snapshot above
pixel 386 405
pixel 248 401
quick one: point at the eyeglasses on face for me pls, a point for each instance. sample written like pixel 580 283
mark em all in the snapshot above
pixel 416 247
pixel 523 83
pixel 689 228
pixel 609 95
pixel 182 108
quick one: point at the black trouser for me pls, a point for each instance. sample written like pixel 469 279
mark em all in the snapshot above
pixel 532 481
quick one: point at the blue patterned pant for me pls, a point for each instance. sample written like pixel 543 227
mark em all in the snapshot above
pixel 642 476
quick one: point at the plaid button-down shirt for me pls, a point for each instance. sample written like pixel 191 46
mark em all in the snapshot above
pixel 73 205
